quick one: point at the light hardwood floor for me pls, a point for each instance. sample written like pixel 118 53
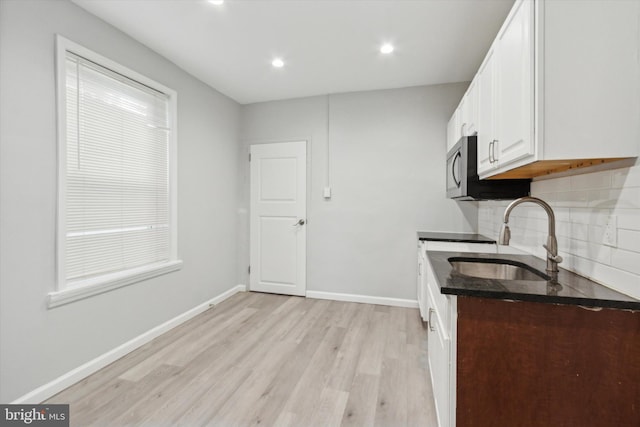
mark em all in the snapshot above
pixel 261 359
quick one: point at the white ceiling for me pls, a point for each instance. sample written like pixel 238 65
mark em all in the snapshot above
pixel 328 46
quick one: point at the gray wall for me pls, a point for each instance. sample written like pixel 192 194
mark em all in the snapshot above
pixel 37 344
pixel 387 151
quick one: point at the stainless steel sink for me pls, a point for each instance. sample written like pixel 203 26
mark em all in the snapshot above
pixel 495 268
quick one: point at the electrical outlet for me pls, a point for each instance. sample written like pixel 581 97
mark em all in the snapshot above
pixel 610 237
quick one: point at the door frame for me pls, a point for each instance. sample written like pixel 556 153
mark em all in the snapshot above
pixel 308 145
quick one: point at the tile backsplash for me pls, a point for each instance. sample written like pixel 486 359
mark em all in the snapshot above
pixel 582 204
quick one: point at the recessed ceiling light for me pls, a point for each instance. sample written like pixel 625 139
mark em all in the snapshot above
pixel 216 2
pixel 386 48
pixel 278 63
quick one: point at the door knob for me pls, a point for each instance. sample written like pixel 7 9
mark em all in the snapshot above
pixel 300 222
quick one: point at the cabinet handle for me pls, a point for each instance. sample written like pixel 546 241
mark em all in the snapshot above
pixel 492 151
pixel 429 322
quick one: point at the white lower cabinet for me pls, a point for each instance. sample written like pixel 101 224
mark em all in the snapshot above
pixel 422 284
pixel 439 352
pixel 440 313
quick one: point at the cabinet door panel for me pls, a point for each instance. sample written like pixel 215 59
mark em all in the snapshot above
pixel 515 86
pixel 422 282
pixel 439 351
pixel 486 113
pixel 470 115
pixel 453 130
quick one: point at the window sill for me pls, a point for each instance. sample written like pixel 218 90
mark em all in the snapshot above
pixel 85 288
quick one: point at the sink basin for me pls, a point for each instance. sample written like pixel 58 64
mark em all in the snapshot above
pixel 494 268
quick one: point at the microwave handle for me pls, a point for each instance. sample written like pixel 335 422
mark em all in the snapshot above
pixel 453 168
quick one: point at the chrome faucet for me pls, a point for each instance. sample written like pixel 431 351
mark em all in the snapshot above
pixel 553 259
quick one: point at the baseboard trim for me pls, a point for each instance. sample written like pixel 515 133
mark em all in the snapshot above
pixel 44 392
pixel 395 302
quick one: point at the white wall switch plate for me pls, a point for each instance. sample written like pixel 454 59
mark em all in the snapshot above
pixel 610 237
pixel 327 192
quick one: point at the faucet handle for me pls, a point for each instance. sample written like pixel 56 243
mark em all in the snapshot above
pixel 553 256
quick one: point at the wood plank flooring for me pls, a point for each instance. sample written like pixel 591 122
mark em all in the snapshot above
pixel 270 360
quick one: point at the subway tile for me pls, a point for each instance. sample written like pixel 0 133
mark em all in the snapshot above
pixel 626 260
pixel 618 198
pixel 563 242
pixel 536 224
pixel 562 214
pixel 591 181
pixel 620 280
pixel 579 232
pixel 530 211
pixel 629 198
pixel 569 263
pixel 626 177
pixel 563 229
pixel 592 251
pixel 599 253
pixel 551 198
pixel 603 199
pixel 615 278
pixel 629 240
pixel 574 199
pixel 535 250
pixel 551 185
pixel 590 216
pixel 582 204
pixel 596 234
pixel 529 239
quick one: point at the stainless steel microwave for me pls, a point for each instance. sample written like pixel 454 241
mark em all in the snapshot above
pixel 463 182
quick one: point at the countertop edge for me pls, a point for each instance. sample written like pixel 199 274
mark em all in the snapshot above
pixel 432 236
pixel 443 273
pixel 582 302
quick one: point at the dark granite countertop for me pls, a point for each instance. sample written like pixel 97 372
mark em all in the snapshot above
pixel 454 237
pixel 570 288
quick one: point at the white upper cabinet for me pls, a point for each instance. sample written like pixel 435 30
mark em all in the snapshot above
pixel 514 87
pixel 454 131
pixel 505 130
pixel 486 114
pixel 469 110
pixel 559 88
pixel 464 121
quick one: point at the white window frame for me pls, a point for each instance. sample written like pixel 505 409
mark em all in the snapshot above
pixel 81 289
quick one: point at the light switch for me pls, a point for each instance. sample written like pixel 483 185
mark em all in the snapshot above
pixel 327 192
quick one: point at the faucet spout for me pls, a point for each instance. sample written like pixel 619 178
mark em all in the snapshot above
pixel 505 235
pixel 553 259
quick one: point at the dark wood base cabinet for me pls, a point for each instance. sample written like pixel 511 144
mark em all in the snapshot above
pixel 534 364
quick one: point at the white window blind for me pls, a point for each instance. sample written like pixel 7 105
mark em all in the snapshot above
pixel 116 201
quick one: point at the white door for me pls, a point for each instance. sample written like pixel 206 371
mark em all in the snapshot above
pixel 278 230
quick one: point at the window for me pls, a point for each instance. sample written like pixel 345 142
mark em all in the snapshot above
pixel 116 207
